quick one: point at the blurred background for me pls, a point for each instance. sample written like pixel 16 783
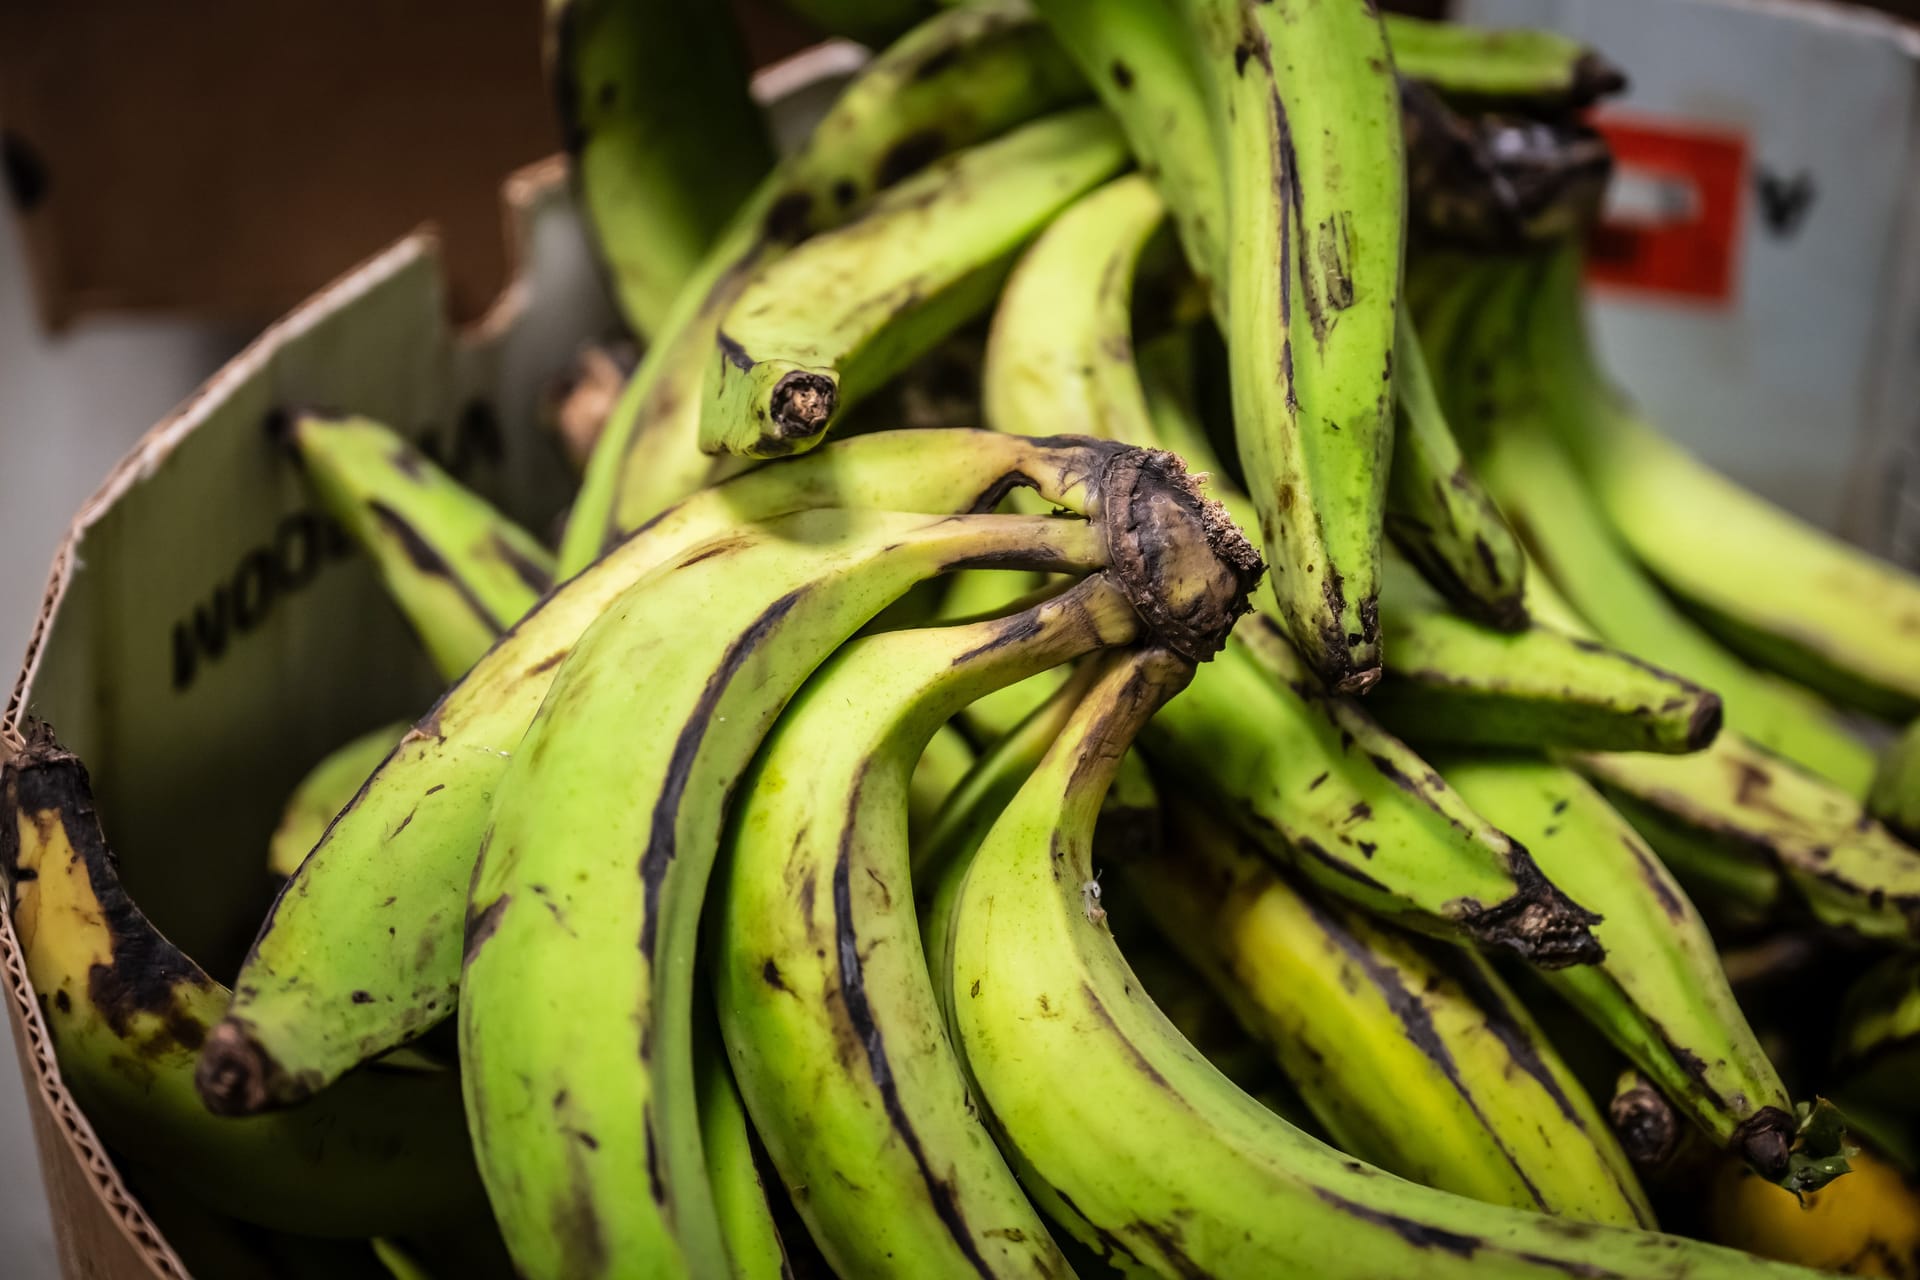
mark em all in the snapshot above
pixel 180 175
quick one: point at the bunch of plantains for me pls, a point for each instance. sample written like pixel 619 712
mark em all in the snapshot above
pixel 1307 783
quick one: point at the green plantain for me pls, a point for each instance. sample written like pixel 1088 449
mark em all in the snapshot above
pixel 829 322
pixel 824 998
pixel 362 950
pixel 1131 1140
pixel 380 1152
pixel 461 572
pixel 958 78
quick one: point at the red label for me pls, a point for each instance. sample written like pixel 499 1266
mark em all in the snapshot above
pixel 1672 223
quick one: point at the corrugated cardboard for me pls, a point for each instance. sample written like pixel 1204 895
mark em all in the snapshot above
pixel 204 640
pixel 200 644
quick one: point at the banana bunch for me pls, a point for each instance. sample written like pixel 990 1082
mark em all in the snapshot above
pixel 1301 783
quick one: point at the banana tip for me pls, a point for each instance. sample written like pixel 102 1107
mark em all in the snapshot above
pixel 1704 726
pixel 1539 923
pixel 1765 1141
pixel 1357 683
pixel 801 405
pixel 235 1074
pixel 1646 1126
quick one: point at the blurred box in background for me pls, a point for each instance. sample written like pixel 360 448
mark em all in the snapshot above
pixel 1758 273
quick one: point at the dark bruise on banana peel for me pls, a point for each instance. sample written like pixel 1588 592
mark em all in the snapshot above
pixel 386 1152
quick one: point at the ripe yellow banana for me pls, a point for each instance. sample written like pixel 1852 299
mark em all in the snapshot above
pixel 362 950
pixel 1131 1140
pixel 960 77
pixel 1413 1054
pixel 382 1152
pixel 461 572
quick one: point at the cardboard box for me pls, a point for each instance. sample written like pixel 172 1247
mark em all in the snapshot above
pixel 1758 282
pixel 204 640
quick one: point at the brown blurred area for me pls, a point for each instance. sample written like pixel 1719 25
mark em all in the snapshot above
pixel 225 158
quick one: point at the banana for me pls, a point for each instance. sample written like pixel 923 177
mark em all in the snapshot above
pixel 1072 362
pixel 461 572
pixel 824 997
pixel 1137 59
pixel 960 77
pixel 1771 586
pixel 1413 1055
pixel 1895 797
pixel 1324 788
pixel 1438 514
pixel 610 814
pixel 1660 994
pixel 1060 353
pixel 829 322
pixel 1738 823
pixel 327 789
pixel 740 1198
pixel 663 140
pixel 1458 683
pixel 1546 498
pixel 1307 124
pixel 1865 1225
pixel 575 1055
pixel 362 949
pixel 1878 1044
pixel 1131 1140
pixel 947 759
pixel 1201 1016
pixel 382 1152
pixel 1539 70
pixel 970 810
